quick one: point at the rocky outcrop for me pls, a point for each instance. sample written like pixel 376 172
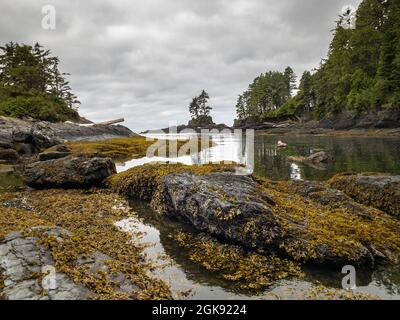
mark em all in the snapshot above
pixel 303 220
pixel 28 137
pixel 29 271
pixel 68 172
pixel 377 190
pixel 384 119
pixel 318 158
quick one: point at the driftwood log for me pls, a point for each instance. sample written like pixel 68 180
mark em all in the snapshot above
pixel 112 121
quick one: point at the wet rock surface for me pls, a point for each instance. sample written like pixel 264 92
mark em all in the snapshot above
pixel 377 190
pixel 304 220
pixel 68 172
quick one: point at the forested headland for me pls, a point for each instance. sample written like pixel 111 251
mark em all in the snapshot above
pixel 360 76
pixel 31 85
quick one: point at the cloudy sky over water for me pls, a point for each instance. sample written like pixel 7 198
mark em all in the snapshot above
pixel 145 60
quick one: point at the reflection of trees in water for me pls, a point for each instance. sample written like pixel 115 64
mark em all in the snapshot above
pixel 350 154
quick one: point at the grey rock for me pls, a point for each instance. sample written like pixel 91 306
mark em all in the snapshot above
pixel 30 136
pixel 237 210
pixel 20 257
pixel 221 205
pixel 68 172
pixel 319 157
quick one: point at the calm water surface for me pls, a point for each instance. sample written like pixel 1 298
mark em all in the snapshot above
pixel 355 154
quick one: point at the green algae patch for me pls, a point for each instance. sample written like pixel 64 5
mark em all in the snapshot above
pixel 324 224
pixel 246 270
pixel 378 190
pixel 90 216
pixel 123 149
pixel 142 182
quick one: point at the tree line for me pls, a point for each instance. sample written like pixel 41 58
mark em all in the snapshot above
pixel 361 73
pixel 31 84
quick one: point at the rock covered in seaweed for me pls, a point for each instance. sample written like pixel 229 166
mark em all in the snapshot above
pixel 93 252
pixel 377 190
pixel 68 172
pixel 23 264
pixel 303 220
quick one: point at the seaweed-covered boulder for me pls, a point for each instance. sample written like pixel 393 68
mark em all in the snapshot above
pixel 68 172
pixel 376 190
pixel 306 221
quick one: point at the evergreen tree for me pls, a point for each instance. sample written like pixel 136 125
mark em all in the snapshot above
pixel 290 78
pixel 200 110
pixel 32 85
pixel 362 70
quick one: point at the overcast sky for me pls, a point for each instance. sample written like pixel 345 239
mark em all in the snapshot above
pixel 145 60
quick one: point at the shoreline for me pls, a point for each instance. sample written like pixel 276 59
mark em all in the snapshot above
pixel 395 133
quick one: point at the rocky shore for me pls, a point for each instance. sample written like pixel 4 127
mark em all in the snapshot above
pixel 384 123
pixel 251 230
pixel 26 137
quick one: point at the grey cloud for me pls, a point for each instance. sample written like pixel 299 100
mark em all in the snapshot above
pixel 144 60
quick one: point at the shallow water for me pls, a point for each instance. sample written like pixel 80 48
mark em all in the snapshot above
pixel 355 154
